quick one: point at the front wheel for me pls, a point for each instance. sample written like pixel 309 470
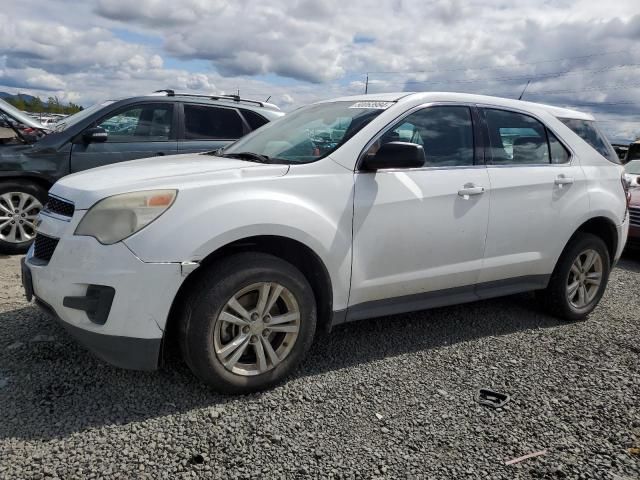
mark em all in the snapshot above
pixel 250 320
pixel 579 279
pixel 20 203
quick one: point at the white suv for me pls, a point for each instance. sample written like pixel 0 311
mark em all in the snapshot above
pixel 345 209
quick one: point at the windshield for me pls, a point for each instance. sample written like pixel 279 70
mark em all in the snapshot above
pixel 18 116
pixel 77 117
pixel 633 167
pixel 309 133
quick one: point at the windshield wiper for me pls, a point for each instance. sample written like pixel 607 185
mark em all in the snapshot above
pixel 249 156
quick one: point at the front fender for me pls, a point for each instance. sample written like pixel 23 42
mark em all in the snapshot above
pixel 286 206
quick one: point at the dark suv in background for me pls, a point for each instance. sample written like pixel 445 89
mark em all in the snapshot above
pixel 163 123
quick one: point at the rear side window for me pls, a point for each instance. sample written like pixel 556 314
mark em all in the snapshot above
pixel 253 119
pixel 587 130
pixel 203 122
pixel 559 154
pixel 518 139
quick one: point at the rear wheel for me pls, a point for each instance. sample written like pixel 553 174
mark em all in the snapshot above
pixel 20 204
pixel 580 278
pixel 248 323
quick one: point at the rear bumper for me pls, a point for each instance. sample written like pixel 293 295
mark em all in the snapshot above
pixel 124 352
pixel 623 233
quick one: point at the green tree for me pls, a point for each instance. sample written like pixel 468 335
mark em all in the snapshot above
pixel 36 105
pixel 17 102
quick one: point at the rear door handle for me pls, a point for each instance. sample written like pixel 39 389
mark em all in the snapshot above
pixel 159 154
pixel 470 189
pixel 562 180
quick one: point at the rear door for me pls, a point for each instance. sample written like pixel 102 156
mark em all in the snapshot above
pixel 135 131
pixel 209 127
pixel 538 195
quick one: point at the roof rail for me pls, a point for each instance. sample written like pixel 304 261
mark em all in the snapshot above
pixel 234 98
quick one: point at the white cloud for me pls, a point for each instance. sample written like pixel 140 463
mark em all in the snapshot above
pixel 157 12
pixel 301 50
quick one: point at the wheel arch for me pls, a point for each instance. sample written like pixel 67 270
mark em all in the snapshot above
pixel 293 251
pixel 602 227
pixel 40 180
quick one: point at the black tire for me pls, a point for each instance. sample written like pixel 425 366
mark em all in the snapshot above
pixel 554 297
pixel 22 186
pixel 211 292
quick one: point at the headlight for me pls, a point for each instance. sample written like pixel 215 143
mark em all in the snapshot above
pixel 115 218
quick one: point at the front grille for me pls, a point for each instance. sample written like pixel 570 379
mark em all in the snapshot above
pixel 44 247
pixel 634 216
pixel 60 207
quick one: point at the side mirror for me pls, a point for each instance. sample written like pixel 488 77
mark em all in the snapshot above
pixel 95 135
pixel 395 155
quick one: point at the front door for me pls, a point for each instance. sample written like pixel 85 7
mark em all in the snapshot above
pixel 419 234
pixel 137 131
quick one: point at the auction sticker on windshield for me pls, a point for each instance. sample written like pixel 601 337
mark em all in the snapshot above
pixel 372 104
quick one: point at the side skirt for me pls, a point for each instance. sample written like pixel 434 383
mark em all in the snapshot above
pixel 440 298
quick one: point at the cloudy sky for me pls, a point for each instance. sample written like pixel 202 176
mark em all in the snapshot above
pixel 579 53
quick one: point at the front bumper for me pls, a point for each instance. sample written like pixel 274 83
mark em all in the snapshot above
pixel 130 334
pixel 124 352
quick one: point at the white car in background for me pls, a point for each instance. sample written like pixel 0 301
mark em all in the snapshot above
pixel 632 173
pixel 346 209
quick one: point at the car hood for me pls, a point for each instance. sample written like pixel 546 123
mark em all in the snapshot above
pixel 175 171
pixel 18 116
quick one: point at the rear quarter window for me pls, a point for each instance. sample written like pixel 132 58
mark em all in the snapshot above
pixel 253 119
pixel 589 132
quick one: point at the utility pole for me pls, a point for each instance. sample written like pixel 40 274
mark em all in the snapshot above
pixel 366 85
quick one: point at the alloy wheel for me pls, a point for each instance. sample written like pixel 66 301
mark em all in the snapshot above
pixel 257 328
pixel 585 277
pixel 18 213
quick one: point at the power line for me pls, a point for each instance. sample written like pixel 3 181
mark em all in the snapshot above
pixel 532 77
pixel 596 88
pixel 597 104
pixel 501 66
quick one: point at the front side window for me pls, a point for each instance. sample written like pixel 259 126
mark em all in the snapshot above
pixel 202 122
pixel 445 133
pixel 140 123
pixel 518 139
pixel 588 131
pixel 309 133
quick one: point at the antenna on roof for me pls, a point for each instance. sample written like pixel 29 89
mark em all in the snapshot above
pixel 268 98
pixel 523 90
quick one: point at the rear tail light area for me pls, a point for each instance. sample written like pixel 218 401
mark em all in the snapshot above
pixel 627 193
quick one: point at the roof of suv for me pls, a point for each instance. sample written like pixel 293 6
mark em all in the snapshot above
pixel 268 110
pixel 235 99
pixel 423 97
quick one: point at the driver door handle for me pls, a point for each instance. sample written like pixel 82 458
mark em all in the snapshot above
pixel 562 180
pixel 470 189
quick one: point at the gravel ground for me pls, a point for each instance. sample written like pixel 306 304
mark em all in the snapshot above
pixel 388 398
